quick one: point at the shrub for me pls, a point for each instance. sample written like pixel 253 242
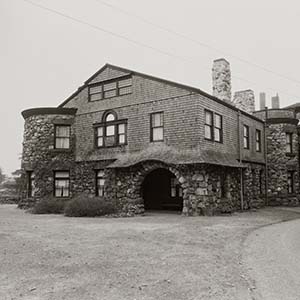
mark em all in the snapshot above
pixel 84 206
pixel 49 205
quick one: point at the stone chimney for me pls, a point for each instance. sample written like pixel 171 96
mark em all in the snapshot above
pixel 221 79
pixel 275 102
pixel 245 100
pixel 262 101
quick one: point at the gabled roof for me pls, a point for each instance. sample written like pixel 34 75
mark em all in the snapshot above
pixel 176 84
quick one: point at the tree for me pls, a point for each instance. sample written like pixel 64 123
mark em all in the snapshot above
pixel 2 176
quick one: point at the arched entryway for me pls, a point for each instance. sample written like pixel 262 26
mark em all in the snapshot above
pixel 162 191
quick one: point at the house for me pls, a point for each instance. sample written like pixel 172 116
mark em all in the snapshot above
pixel 149 143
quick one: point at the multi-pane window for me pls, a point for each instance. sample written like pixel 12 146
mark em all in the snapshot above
pixel 157 126
pixel 290 182
pixel 208 125
pixel 289 142
pixel 110 89
pixel 213 128
pixel 62 183
pixel 30 184
pixel 111 132
pixel 100 182
pixel 246 137
pixel 62 136
pixel 218 128
pixel 258 140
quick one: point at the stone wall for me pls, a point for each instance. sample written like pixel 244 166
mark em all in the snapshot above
pixel 202 187
pixel 280 162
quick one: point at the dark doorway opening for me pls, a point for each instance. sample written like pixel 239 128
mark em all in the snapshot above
pixel 162 191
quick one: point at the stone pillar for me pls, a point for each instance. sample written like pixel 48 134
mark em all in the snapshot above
pixel 262 101
pixel 221 77
pixel 244 100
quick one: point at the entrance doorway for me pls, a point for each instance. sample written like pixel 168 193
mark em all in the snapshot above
pixel 162 191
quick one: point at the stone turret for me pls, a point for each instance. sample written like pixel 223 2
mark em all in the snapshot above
pixel 245 101
pixel 221 77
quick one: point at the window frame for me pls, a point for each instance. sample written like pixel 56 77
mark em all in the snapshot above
pixel 213 127
pixel 97 183
pixel 55 178
pixel 290 176
pixel 290 143
pixel 154 127
pixel 217 128
pixel 258 140
pixel 103 83
pixel 247 137
pixel 210 126
pixel 104 124
pixel 60 137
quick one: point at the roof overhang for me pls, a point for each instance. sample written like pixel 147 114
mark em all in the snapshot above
pixel 172 156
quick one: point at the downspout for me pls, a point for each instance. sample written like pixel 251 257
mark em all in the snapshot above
pixel 240 160
pixel 266 157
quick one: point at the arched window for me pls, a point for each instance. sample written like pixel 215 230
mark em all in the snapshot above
pixel 111 132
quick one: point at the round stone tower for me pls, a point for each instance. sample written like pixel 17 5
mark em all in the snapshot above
pixel 48 144
pixel 282 140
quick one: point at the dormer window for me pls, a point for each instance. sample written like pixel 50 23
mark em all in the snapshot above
pixel 111 132
pixel 110 89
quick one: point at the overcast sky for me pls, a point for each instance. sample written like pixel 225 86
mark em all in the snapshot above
pixel 44 57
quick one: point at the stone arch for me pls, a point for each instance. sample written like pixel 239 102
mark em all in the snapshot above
pixel 143 169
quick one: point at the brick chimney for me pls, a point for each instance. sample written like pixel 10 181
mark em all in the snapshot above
pixel 221 77
pixel 245 100
pixel 275 101
pixel 262 101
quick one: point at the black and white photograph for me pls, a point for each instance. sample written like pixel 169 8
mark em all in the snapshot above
pixel 150 150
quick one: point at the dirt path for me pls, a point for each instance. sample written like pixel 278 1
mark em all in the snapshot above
pixel 159 256
pixel 273 260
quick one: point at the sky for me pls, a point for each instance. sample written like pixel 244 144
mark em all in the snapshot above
pixel 45 56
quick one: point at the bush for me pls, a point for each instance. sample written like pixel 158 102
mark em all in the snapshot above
pixel 84 206
pixel 49 205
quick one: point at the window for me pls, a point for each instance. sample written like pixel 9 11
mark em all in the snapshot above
pixel 246 137
pixel 208 125
pixel 260 181
pixel 290 182
pixel 62 184
pixel 258 140
pixel 218 128
pixel 62 136
pixel 109 89
pixel 111 132
pixel 157 127
pixel 100 181
pixel 176 189
pixel 30 184
pixel 289 143
pixel 213 128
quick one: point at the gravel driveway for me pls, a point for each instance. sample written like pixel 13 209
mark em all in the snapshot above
pixel 273 259
pixel 158 256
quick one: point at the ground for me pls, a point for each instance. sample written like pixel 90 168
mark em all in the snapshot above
pixel 158 256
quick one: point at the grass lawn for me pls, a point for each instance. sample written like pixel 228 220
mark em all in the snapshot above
pixel 157 256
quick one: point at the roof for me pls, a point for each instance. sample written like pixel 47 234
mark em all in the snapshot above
pixel 170 155
pixel 48 111
pixel 176 84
